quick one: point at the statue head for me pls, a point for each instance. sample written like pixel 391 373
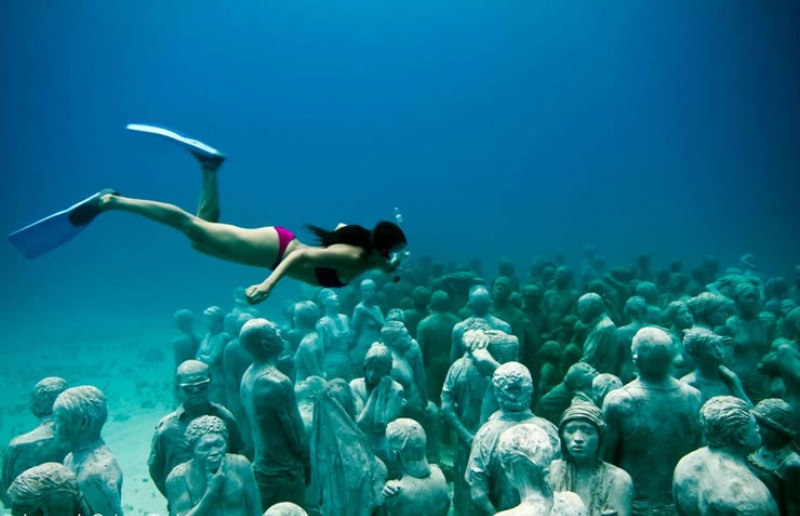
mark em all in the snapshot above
pixel 421 297
pixel 50 488
pixel 648 290
pixel 44 395
pixel 406 439
pixel 652 352
pixel 747 298
pixel 395 335
pixel 563 276
pixel 776 420
pixel 262 339
pixel 501 289
pixel 635 308
pixel 377 363
pixel 678 315
pixel 728 423
pixel 581 430
pixel 525 454
pixel 479 300
pixel 285 509
pixel 590 307
pixel 328 298
pixel 602 384
pixel 704 346
pixel 440 301
pixel 710 308
pixel 214 317
pixel 579 377
pixel 207 437
pixel 79 414
pixel 305 315
pixel 513 387
pixel 368 289
pixel 184 320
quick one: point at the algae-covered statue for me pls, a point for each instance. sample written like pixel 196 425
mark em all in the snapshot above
pixel 489 487
pixel 212 482
pixel 710 376
pixel 715 479
pixel 599 347
pixel 652 423
pixel 479 303
pixel 50 488
pixel 525 453
pixel 281 461
pixel 604 488
pixel 39 445
pixel 422 489
pixel 79 414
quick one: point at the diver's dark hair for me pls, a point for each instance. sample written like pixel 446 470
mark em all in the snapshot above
pixel 385 236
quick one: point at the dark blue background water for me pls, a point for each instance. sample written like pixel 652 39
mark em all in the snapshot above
pixel 499 128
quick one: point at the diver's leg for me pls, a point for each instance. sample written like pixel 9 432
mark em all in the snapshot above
pixel 258 247
pixel 208 209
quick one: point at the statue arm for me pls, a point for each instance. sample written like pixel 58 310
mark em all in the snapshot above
pixel 611 441
pixel 620 497
pixel 252 498
pixel 420 377
pixel 229 370
pixel 456 344
pixel 449 413
pixel 156 464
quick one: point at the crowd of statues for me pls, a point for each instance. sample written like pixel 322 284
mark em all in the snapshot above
pixel 611 391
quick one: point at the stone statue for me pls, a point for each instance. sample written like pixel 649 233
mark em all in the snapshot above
pixel 336 336
pixel 479 303
pixel 420 299
pixel 212 482
pixel 285 509
pixel 433 336
pixel 235 361
pixel 710 377
pixel 346 477
pixel 602 384
pixel 422 489
pixel 635 308
pixel 710 310
pixel 715 479
pixel 577 382
pixel 49 488
pixel 676 319
pixel 309 357
pixel 777 463
pixel 502 308
pixel 649 292
pixel 281 461
pixel 367 323
pixel 600 347
pixel 752 331
pixel 525 453
pixel 604 488
pixel 652 423
pixel 489 487
pixel 560 300
pixel 184 347
pixel 379 399
pixel 169 447
pixel 79 414
pixel 39 445
pixel 212 346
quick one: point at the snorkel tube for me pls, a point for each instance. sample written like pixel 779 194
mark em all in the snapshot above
pixel 397 258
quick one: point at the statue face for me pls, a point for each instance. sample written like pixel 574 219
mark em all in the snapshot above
pixel 711 352
pixel 581 440
pixel 683 317
pixel 368 290
pixel 749 302
pixel 373 372
pixel 64 428
pixel 501 290
pixel 751 440
pixel 210 449
pixel 194 394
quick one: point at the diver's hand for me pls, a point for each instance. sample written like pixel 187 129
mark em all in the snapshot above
pixel 257 293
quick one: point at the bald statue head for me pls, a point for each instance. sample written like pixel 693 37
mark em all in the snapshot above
pixel 44 395
pixel 262 339
pixel 590 307
pixel 652 352
pixel 50 488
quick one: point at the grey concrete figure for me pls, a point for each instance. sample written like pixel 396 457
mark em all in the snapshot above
pixel 652 423
pixel 710 376
pixel 39 445
pixel 577 382
pixel 602 384
pixel 560 300
pixel 502 288
pixel 367 321
pixel 235 361
pixel 337 337
pixel 79 414
pixel 184 346
pixel 599 347
pixel 168 447
pixel 715 479
pixel 479 304
pixel 48 489
pixel 433 336
pixel 776 462
pixel 281 461
pixel 310 354
pixel 710 310
pixel 676 319
pixel 525 453
pixel 490 490
pixel 422 488
pixel 604 488
pixel 212 482
pixel 211 349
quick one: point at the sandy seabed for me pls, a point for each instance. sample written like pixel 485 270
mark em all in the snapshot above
pixel 129 358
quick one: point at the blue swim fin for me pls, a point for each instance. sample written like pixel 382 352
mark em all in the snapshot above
pixel 45 235
pixel 206 154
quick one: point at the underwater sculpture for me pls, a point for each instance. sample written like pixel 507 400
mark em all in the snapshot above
pixel 525 453
pixel 39 445
pixel 599 346
pixel 433 336
pixel 652 423
pixel 343 254
pixel 710 376
pixel 79 414
pixel 422 488
pixel 479 305
pixel 281 461
pixel 336 335
pixel 212 481
pixel 715 479
pixel 50 488
pixel 211 349
pixel 603 487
